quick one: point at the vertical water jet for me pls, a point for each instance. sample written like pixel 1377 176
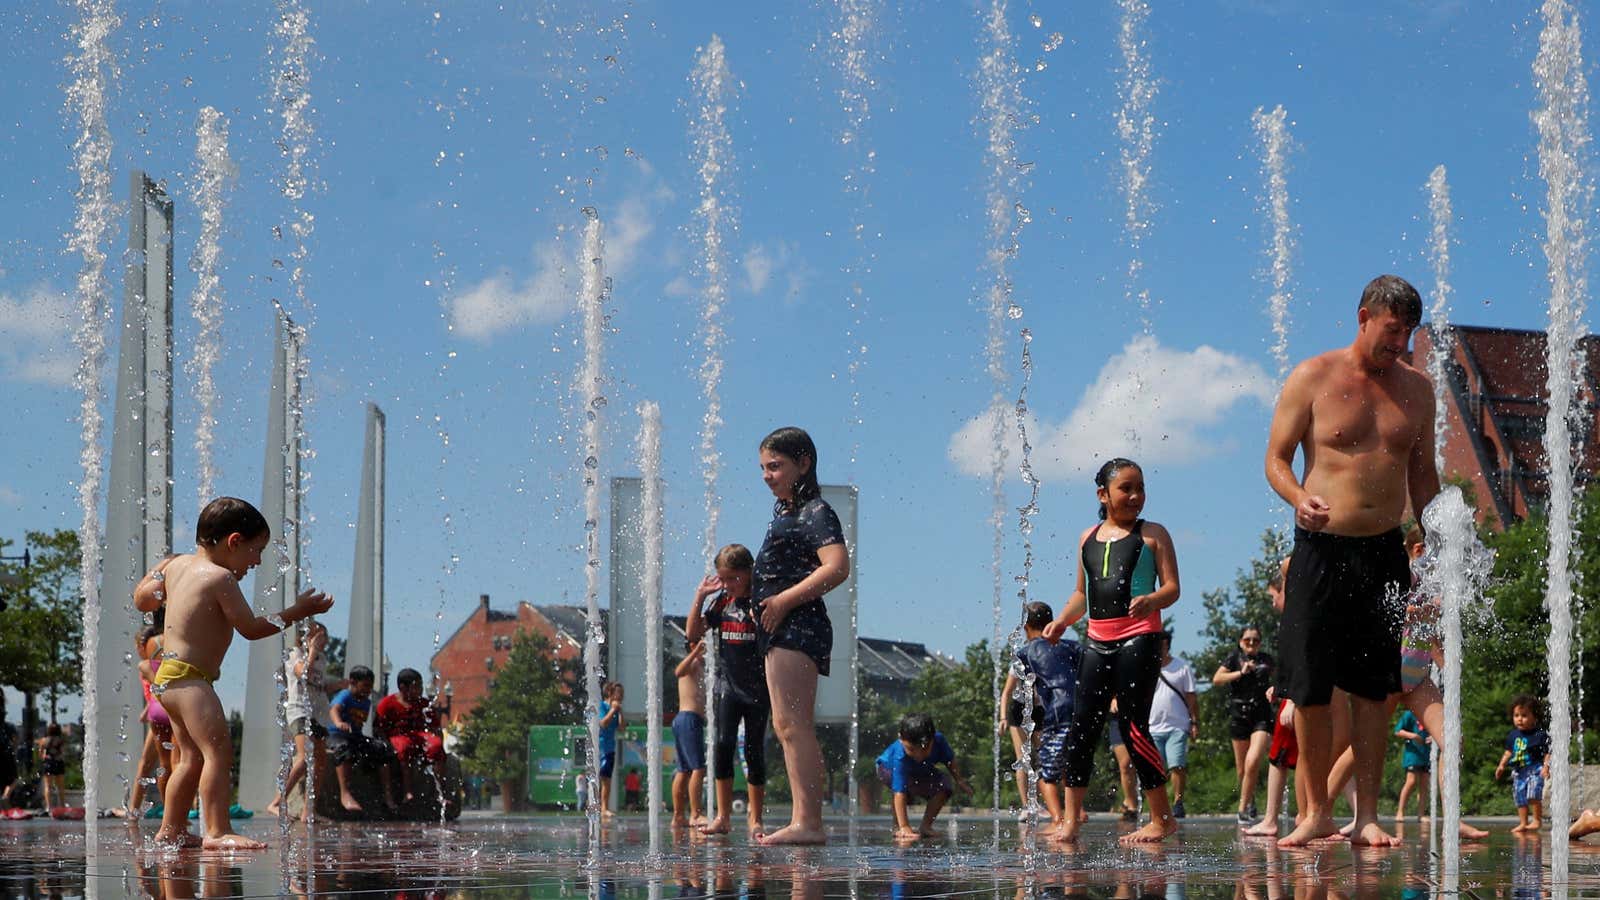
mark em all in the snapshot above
pixel 214 174
pixel 93 68
pixel 1272 131
pixel 593 294
pixel 1136 131
pixel 1561 121
pixel 649 449
pixel 1442 343
pixel 713 156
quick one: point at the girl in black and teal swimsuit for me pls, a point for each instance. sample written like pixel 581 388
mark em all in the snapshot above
pixel 1127 574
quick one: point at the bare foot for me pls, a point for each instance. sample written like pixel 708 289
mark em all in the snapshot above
pixel 272 808
pixel 232 842
pixel 1518 829
pixel 1372 835
pixel 926 831
pixel 1264 828
pixel 1348 829
pixel 1320 829
pixel 719 825
pixel 1470 833
pixel 680 822
pixel 793 834
pixel 181 839
pixel 1066 832
pixel 753 828
pixel 697 821
pixel 350 805
pixel 1153 832
pixel 1588 822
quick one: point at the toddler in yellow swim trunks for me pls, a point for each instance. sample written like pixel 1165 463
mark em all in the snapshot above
pixel 204 608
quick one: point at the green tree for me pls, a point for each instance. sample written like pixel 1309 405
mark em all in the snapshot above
pixel 41 627
pixel 531 688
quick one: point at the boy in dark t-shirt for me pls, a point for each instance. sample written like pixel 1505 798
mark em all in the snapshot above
pixel 1054 668
pixel 1526 748
pixel 722 602
pixel 348 712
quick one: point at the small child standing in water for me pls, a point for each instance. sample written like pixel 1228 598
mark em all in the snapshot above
pixel 204 608
pixel 689 741
pixel 1526 748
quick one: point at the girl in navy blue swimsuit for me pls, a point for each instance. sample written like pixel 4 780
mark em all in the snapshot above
pixel 1127 574
pixel 802 558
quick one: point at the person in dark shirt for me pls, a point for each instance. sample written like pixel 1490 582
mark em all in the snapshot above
pixel 1526 748
pixel 1248 673
pixel 910 768
pixel 722 602
pixel 1054 671
pixel 802 558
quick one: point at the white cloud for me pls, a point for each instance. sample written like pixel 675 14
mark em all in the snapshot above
pixel 762 263
pixel 36 337
pixel 505 302
pixel 1152 403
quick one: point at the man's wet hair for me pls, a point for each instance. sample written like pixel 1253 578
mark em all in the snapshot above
pixel 361 673
pixel 1524 701
pixel 408 677
pixel 735 556
pixel 229 515
pixel 916 728
pixel 1037 614
pixel 1393 294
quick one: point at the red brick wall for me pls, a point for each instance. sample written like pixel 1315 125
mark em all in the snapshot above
pixel 460 661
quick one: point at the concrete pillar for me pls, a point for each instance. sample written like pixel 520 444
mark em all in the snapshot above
pixel 364 640
pixel 139 497
pixel 278 577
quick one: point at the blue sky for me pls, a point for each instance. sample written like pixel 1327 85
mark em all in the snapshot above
pixel 454 150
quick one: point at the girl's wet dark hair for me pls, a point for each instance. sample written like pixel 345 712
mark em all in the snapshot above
pixel 797 445
pixel 229 515
pixel 1102 479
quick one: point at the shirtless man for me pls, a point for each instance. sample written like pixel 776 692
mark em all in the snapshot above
pixel 1364 420
pixel 204 608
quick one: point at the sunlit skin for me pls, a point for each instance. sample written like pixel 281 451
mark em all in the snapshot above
pixel 361 690
pixel 688 787
pixel 1124 498
pixel 204 608
pixel 792 675
pixel 1248 753
pixel 737 583
pixel 1363 419
pixel 1276 776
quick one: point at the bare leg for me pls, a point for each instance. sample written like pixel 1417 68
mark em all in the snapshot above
pixel 1125 776
pixel 1255 754
pixel 792 681
pixel 193 706
pixel 756 801
pixel 1018 772
pixel 319 750
pixel 722 824
pixel 1240 749
pixel 931 813
pixel 1180 780
pixel 680 799
pixel 181 786
pixel 1369 721
pixel 149 759
pixel 1050 794
pixel 1405 794
pixel 297 771
pixel 697 795
pixel 346 798
pixel 1067 830
pixel 1268 826
pixel 1313 727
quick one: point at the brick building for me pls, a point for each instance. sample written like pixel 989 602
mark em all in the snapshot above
pixel 468 660
pixel 1495 410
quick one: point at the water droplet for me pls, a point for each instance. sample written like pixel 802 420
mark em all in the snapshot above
pixel 1053 42
pixel 590 462
pixel 1036 21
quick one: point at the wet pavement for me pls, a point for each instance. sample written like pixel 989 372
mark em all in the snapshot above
pixel 551 856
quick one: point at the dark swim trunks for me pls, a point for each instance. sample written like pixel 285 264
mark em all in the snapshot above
pixel 808 630
pixel 1343 609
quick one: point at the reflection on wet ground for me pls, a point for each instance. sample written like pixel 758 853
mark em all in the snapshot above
pixel 551 857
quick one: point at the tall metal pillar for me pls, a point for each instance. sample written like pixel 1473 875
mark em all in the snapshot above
pixel 139 499
pixel 364 640
pixel 277 580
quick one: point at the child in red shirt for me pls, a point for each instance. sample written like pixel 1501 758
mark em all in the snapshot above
pixel 410 722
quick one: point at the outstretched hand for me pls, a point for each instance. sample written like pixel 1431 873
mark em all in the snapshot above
pixel 313 602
